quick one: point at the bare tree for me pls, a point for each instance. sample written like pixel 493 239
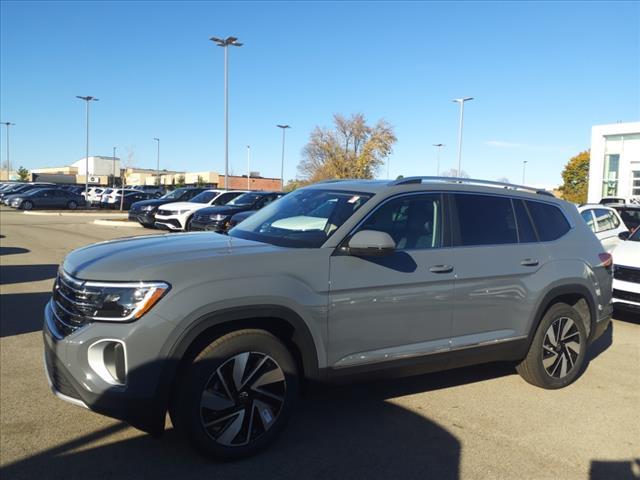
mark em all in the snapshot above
pixel 352 149
pixel 453 172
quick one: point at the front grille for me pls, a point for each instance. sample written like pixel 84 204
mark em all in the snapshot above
pixel 626 274
pixel 629 296
pixel 70 307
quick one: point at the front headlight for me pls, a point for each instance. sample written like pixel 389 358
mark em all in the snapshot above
pixel 180 212
pixel 107 301
pixel 149 208
pixel 218 217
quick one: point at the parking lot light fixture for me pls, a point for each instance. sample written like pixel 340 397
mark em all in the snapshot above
pixel 248 167
pixel 284 128
pixel 88 99
pixel 524 166
pixel 461 101
pixel 8 124
pixel 225 43
pixel 438 148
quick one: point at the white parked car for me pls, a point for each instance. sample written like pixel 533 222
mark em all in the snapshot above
pixel 177 215
pixel 111 196
pixel 626 272
pixel 605 222
pixel 94 195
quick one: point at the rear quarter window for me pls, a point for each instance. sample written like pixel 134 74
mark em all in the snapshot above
pixel 549 220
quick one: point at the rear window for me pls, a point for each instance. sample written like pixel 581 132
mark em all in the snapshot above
pixel 549 221
pixel 526 232
pixel 484 220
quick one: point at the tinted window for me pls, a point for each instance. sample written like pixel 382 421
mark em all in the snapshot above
pixel 630 217
pixel 526 232
pixel 588 217
pixel 485 220
pixel 204 197
pixel 413 222
pixel 550 222
pixel 225 198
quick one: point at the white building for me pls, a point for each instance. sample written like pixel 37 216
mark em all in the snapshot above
pixel 99 166
pixel 614 169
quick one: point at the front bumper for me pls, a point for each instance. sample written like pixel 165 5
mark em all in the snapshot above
pixel 72 379
pixel 144 218
pixel 218 226
pixel 626 294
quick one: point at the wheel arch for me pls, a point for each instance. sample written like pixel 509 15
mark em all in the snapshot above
pixel 281 321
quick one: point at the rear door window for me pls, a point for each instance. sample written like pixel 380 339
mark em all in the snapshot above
pixel 548 219
pixel 484 220
pixel 526 232
pixel 588 218
pixel 605 220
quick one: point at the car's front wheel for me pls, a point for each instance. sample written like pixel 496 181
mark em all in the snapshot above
pixel 72 205
pixel 557 353
pixel 27 205
pixel 235 397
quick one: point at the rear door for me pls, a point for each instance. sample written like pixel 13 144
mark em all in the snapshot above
pixel 499 264
pixel 607 227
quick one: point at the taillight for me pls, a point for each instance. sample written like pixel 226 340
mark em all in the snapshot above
pixel 606 260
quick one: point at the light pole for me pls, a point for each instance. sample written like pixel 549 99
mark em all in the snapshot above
pixel 248 167
pixel 114 167
pixel 8 124
pixel 88 100
pixel 438 148
pixel 461 102
pixel 157 162
pixel 224 43
pixel 524 166
pixel 284 128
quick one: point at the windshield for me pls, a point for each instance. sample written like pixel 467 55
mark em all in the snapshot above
pixel 304 218
pixel 204 197
pixel 175 195
pixel 244 199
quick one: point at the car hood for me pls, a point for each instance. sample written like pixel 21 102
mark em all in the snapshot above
pixel 222 210
pixel 627 253
pixel 155 257
pixel 174 206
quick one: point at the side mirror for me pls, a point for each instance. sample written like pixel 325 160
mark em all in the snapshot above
pixel 623 235
pixel 371 243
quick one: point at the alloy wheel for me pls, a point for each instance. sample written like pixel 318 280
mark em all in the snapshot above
pixel 242 399
pixel 561 347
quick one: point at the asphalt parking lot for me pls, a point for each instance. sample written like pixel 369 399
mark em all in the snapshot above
pixel 472 423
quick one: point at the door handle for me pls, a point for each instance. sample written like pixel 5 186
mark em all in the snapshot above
pixel 529 262
pixel 441 269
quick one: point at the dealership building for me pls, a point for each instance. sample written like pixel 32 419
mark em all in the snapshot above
pixel 614 169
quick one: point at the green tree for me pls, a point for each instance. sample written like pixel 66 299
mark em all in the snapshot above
pixel 200 181
pixel 575 178
pixel 352 149
pixel 180 181
pixel 23 174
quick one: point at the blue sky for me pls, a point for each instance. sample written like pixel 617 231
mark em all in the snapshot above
pixel 542 75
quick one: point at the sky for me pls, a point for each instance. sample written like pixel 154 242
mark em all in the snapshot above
pixel 542 74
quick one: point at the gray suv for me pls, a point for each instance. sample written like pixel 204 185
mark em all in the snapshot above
pixel 334 281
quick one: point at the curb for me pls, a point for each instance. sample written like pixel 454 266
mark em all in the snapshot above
pixel 76 214
pixel 116 223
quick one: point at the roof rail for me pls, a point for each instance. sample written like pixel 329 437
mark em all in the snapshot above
pixel 470 181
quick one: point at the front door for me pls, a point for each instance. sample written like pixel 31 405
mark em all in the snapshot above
pixel 399 305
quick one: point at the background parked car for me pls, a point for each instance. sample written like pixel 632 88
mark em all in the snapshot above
pixel 609 200
pixel 94 195
pixel 626 273
pixel 47 198
pixel 113 201
pixel 629 213
pixel 217 218
pixel 144 212
pixel 176 216
pixel 605 223
pixel 22 188
pixel 153 190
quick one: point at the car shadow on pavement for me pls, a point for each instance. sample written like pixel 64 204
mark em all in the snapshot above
pixel 12 250
pixel 601 470
pixel 26 273
pixel 22 312
pixel 350 431
pixel 600 345
pixel 627 315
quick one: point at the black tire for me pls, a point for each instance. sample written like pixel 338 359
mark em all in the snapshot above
pixel 27 205
pixel 550 363
pixel 187 226
pixel 256 411
pixel 72 205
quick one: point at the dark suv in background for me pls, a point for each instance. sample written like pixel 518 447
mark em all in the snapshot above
pixel 217 218
pixel 144 211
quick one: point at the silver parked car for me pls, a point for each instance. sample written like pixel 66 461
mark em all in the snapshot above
pixel 338 280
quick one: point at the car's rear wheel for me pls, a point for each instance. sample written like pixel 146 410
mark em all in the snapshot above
pixel 72 205
pixel 557 353
pixel 235 397
pixel 187 226
pixel 27 205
